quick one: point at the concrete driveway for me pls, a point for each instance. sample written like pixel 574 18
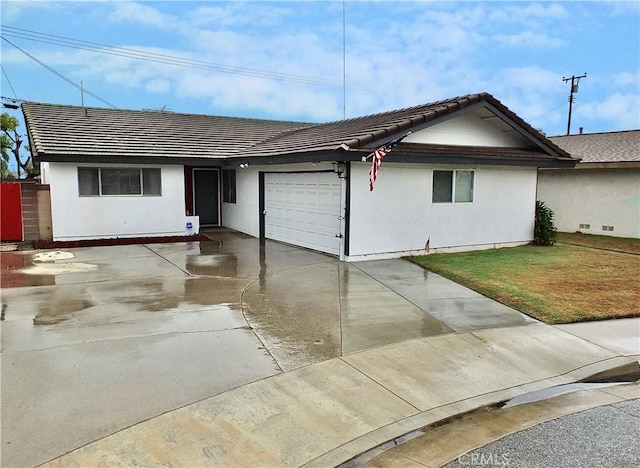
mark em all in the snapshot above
pixel 95 340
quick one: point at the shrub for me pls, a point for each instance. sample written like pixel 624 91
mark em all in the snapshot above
pixel 544 231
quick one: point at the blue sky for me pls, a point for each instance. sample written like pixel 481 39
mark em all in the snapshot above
pixel 284 60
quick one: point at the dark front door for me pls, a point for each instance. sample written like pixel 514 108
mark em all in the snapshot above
pixel 205 198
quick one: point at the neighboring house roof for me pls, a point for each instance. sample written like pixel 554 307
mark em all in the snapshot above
pixel 609 147
pixel 80 134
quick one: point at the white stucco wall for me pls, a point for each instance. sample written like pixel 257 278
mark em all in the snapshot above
pixel 597 197
pixel 243 215
pixel 76 217
pixel 398 217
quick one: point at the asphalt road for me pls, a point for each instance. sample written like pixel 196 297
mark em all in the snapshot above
pixel 607 436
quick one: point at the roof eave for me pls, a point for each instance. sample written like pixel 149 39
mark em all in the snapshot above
pixel 119 159
pixel 608 165
pixel 314 156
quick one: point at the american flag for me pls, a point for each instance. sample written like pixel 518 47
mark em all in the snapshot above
pixel 377 158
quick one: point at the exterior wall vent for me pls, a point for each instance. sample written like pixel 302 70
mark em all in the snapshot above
pixel 585 226
pixel 607 228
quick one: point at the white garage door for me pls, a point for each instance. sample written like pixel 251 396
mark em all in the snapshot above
pixel 303 209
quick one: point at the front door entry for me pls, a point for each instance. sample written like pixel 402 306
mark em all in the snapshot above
pixel 206 196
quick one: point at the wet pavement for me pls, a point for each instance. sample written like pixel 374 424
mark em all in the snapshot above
pixel 110 336
pixel 99 339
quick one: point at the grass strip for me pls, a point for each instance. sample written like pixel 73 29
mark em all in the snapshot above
pixel 559 284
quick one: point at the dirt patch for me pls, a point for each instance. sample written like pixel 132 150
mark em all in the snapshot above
pixel 118 241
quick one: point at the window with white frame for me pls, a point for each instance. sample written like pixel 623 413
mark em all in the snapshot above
pixel 453 186
pixel 101 181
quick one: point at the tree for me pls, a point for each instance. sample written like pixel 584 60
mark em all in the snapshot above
pixel 12 143
pixel 5 173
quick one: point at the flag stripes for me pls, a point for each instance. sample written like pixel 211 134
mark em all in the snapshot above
pixel 378 154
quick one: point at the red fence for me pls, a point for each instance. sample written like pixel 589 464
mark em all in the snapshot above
pixel 10 212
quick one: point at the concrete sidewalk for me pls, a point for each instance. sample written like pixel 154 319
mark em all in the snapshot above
pixel 327 413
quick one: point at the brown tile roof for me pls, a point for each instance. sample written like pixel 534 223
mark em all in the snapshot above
pixel 602 147
pixel 71 130
pixel 363 132
pixel 59 133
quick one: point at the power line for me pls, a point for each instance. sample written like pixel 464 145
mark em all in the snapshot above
pixel 8 80
pixel 165 58
pixel 80 87
pixel 544 113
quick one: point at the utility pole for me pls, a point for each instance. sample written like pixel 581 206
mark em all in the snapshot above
pixel 574 89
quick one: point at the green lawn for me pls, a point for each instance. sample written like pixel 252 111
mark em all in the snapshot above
pixel 559 284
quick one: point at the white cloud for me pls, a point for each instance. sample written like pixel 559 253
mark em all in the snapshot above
pixel 624 8
pixel 157 86
pixel 408 53
pixel 627 79
pixel 131 12
pixel 526 13
pixel 451 32
pixel 529 39
pixel 12 10
pixel 620 110
pixel 234 95
pixel 234 14
pixel 532 78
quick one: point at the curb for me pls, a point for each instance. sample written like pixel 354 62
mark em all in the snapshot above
pixel 616 369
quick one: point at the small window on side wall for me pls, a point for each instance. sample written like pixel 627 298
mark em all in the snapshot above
pixel 453 186
pixel 229 185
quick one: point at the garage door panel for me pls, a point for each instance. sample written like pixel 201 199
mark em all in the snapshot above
pixel 304 209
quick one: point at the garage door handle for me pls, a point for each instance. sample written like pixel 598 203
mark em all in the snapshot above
pixel 339 236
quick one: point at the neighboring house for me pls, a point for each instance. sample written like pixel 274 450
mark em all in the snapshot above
pixel 465 178
pixel 601 195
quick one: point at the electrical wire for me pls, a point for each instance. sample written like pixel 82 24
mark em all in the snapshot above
pixel 545 113
pixel 80 87
pixel 8 81
pixel 165 58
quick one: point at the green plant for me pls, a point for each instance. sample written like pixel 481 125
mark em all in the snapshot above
pixel 544 231
pixel 11 142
